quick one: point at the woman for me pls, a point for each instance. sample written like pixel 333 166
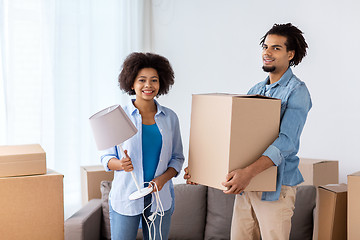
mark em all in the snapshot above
pixel 155 153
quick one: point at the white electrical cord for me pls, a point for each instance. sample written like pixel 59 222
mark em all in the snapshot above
pixel 159 211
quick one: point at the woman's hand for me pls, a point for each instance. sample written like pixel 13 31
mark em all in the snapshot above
pixel 187 177
pixel 126 164
pixel 160 182
pixel 163 178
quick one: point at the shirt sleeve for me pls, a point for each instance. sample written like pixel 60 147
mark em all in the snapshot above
pixel 177 156
pixel 108 154
pixel 291 125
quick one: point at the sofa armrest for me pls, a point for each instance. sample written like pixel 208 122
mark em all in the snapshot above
pixel 85 224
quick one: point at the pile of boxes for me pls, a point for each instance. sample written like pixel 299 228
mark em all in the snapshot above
pixel 337 214
pixel 31 196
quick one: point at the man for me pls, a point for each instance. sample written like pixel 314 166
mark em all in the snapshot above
pixel 269 213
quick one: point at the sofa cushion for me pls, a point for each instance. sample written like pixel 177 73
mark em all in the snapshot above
pixel 219 214
pixel 302 222
pixel 105 188
pixel 188 219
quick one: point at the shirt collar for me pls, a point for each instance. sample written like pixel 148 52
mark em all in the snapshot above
pixel 283 81
pixel 133 109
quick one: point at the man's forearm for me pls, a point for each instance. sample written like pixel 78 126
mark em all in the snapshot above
pixel 259 165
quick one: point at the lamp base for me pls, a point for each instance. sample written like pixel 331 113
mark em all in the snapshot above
pixel 138 194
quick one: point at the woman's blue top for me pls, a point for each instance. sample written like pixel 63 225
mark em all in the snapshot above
pixel 151 143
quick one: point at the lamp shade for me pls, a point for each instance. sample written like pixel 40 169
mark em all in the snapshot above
pixel 111 126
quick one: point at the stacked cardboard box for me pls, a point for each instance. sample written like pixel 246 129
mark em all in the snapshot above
pixel 229 132
pixel 31 197
pixel 332 212
pixel 319 172
pixel 353 206
pixel 20 160
pixel 91 177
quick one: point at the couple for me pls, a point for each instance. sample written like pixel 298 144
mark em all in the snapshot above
pixel 155 153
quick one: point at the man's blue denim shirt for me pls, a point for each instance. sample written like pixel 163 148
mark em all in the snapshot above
pixel 295 105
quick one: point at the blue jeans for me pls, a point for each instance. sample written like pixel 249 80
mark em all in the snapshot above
pixel 126 227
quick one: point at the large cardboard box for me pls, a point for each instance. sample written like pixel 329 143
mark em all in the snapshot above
pixel 91 177
pixel 353 220
pixel 20 160
pixel 332 212
pixel 229 132
pixel 31 207
pixel 319 172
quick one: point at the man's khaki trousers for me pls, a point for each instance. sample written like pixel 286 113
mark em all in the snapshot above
pixel 272 219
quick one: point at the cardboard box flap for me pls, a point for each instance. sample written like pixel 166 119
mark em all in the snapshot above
pixel 314 161
pixel 20 153
pixel 355 174
pixel 311 161
pixel 20 149
pixel 256 96
pixel 95 168
pixel 51 172
pixel 237 95
pixel 336 188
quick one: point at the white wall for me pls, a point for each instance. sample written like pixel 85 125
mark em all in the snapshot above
pixel 213 46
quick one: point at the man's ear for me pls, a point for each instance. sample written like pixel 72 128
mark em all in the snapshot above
pixel 291 54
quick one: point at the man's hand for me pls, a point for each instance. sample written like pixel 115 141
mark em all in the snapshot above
pixel 237 181
pixel 187 177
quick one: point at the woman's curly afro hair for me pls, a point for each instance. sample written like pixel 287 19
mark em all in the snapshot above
pixel 137 61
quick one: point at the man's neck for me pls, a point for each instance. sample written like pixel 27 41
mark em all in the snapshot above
pixel 275 76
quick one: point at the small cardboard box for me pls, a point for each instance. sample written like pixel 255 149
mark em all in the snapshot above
pixel 332 212
pixel 32 207
pixel 229 132
pixel 91 177
pixel 319 172
pixel 353 220
pixel 21 160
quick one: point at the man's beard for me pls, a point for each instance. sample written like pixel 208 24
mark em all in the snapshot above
pixel 268 69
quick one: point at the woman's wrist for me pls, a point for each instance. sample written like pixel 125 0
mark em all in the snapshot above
pixel 114 164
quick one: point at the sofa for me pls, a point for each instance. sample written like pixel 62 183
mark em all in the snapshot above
pixel 200 213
